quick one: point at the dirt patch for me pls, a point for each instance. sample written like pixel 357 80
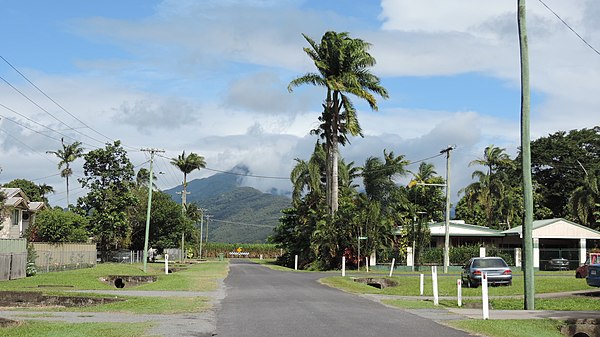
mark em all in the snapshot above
pixel 5 322
pixel 24 299
pixel 377 282
pixel 127 281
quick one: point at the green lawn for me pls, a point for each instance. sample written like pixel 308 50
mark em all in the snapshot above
pixel 544 283
pixel 409 285
pixel 510 328
pixel 195 277
pixel 53 329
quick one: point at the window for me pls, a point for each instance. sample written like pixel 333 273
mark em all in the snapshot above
pixel 16 217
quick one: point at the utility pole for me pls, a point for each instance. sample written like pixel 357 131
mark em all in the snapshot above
pixel 447 226
pixel 208 216
pixel 201 226
pixel 183 212
pixel 152 151
pixel 529 289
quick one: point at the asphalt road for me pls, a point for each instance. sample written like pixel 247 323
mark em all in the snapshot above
pixel 263 302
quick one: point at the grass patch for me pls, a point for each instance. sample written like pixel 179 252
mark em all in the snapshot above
pixel 409 286
pixel 576 303
pixel 53 329
pixel 411 304
pixel 198 277
pixel 510 328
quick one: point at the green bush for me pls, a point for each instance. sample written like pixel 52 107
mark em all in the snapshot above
pixel 56 225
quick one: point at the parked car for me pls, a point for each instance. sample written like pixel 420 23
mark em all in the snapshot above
pixel 557 264
pixel 593 277
pixel 498 272
pixel 582 271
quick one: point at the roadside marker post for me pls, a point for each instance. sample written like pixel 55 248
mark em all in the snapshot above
pixel 295 262
pixel 343 266
pixel 166 263
pixel 367 263
pixel 436 300
pixel 459 292
pixel 484 296
pixel 392 266
pixel 422 283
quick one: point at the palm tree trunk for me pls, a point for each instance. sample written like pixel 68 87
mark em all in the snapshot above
pixel 334 148
pixel 67 178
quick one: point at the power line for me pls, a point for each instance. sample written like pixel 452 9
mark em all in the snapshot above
pixel 46 111
pixel 570 28
pixel 52 100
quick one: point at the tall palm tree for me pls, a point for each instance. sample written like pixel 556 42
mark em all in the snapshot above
pixel 343 68
pixel 67 155
pixel 490 190
pixel 493 158
pixel 187 164
pixel 584 200
pixel 45 189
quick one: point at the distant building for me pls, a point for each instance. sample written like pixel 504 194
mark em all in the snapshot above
pixel 18 213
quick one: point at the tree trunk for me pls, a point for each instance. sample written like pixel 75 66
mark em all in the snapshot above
pixel 67 177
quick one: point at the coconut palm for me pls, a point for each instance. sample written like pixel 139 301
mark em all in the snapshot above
pixel 490 189
pixel 343 68
pixel 584 200
pixel 187 164
pixel 68 154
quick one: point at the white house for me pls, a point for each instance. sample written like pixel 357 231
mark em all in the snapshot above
pixel 18 213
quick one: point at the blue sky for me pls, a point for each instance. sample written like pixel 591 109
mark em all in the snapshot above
pixel 210 77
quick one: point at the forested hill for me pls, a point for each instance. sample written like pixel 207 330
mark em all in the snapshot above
pixel 239 214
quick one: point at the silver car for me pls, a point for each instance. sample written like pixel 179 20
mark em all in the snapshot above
pixel 498 272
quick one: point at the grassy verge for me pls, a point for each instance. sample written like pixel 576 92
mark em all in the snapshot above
pixel 409 285
pixel 510 328
pixel 53 329
pixel 195 277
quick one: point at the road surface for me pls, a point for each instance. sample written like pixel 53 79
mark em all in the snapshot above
pixel 264 302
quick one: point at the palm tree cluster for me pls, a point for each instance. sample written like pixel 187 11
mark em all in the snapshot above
pixel 320 239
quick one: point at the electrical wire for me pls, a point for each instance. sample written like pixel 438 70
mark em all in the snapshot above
pixel 570 28
pixel 52 100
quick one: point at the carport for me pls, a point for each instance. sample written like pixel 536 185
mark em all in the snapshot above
pixel 554 238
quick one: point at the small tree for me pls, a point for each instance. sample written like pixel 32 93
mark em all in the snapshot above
pixel 56 225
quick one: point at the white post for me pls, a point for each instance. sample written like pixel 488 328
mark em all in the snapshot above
pixel 582 251
pixel 343 266
pixel 166 263
pixel 484 296
pixel 459 292
pixel 392 266
pixel 518 255
pixel 295 262
pixel 481 251
pixel 536 253
pixel 435 285
pixel 422 283
pixel 261 256
pixel 410 257
pixel 367 263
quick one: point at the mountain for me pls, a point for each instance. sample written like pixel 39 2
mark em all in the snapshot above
pixel 239 214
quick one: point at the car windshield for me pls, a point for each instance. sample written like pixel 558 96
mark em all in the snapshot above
pixel 489 263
